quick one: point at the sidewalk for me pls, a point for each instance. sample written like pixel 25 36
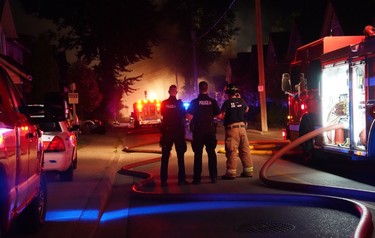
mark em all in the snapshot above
pixel 253 134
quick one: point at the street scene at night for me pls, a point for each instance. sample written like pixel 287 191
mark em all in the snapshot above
pixel 177 118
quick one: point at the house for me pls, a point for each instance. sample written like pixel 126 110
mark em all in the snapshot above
pixel 243 71
pixel 12 52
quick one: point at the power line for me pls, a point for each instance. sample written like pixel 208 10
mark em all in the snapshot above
pixel 217 22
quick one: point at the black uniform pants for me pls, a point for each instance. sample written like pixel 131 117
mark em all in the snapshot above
pixel 201 139
pixel 167 139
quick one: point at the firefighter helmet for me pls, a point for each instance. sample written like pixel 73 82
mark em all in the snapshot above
pixel 369 31
pixel 231 89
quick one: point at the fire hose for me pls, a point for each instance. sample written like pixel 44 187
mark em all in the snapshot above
pixel 365 225
pixel 323 196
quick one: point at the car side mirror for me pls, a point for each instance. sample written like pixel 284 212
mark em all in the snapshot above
pixel 285 83
pixel 74 128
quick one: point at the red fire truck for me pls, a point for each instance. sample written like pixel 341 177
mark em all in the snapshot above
pixel 334 83
pixel 147 113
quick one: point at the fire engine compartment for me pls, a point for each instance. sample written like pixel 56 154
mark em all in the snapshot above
pixel 343 101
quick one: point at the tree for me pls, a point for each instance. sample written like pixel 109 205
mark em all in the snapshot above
pixel 110 34
pixel 87 87
pixel 207 25
pixel 122 87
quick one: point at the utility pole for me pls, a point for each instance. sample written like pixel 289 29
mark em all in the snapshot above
pixel 73 99
pixel 195 79
pixel 262 85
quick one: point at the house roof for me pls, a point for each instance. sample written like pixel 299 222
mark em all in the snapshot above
pixel 240 64
pixel 279 41
pixel 7 21
pixel 14 68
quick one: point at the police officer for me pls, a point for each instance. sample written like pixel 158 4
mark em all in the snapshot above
pixel 201 113
pixel 236 141
pixel 172 132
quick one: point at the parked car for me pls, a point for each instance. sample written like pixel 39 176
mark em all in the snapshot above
pixel 126 122
pixel 94 126
pixel 23 189
pixel 60 148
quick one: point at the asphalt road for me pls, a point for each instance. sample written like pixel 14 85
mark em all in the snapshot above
pixel 100 202
pixel 240 208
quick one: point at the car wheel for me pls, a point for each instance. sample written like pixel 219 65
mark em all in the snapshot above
pixel 75 163
pixel 87 128
pixel 3 208
pixel 68 174
pixel 33 217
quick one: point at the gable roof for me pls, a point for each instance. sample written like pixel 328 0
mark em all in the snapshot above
pixel 7 21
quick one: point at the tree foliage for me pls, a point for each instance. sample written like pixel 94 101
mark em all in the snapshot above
pixel 111 34
pixel 122 87
pixel 89 94
pixel 115 34
pixel 121 31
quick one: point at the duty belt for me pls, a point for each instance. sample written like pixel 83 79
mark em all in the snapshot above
pixel 235 126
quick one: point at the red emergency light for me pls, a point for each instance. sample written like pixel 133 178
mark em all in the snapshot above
pixel 158 103
pixel 284 134
pixel 139 105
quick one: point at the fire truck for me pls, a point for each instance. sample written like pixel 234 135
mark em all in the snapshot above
pixel 334 83
pixel 147 113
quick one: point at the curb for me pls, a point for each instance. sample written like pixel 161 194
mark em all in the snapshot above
pixel 89 220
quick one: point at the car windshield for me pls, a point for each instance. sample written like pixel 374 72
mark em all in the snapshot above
pixel 5 103
pixel 3 115
pixel 50 126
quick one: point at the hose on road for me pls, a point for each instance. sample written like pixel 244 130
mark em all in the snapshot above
pixel 323 196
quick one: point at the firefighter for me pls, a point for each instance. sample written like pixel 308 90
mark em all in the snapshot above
pixel 201 113
pixel 236 141
pixel 172 132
